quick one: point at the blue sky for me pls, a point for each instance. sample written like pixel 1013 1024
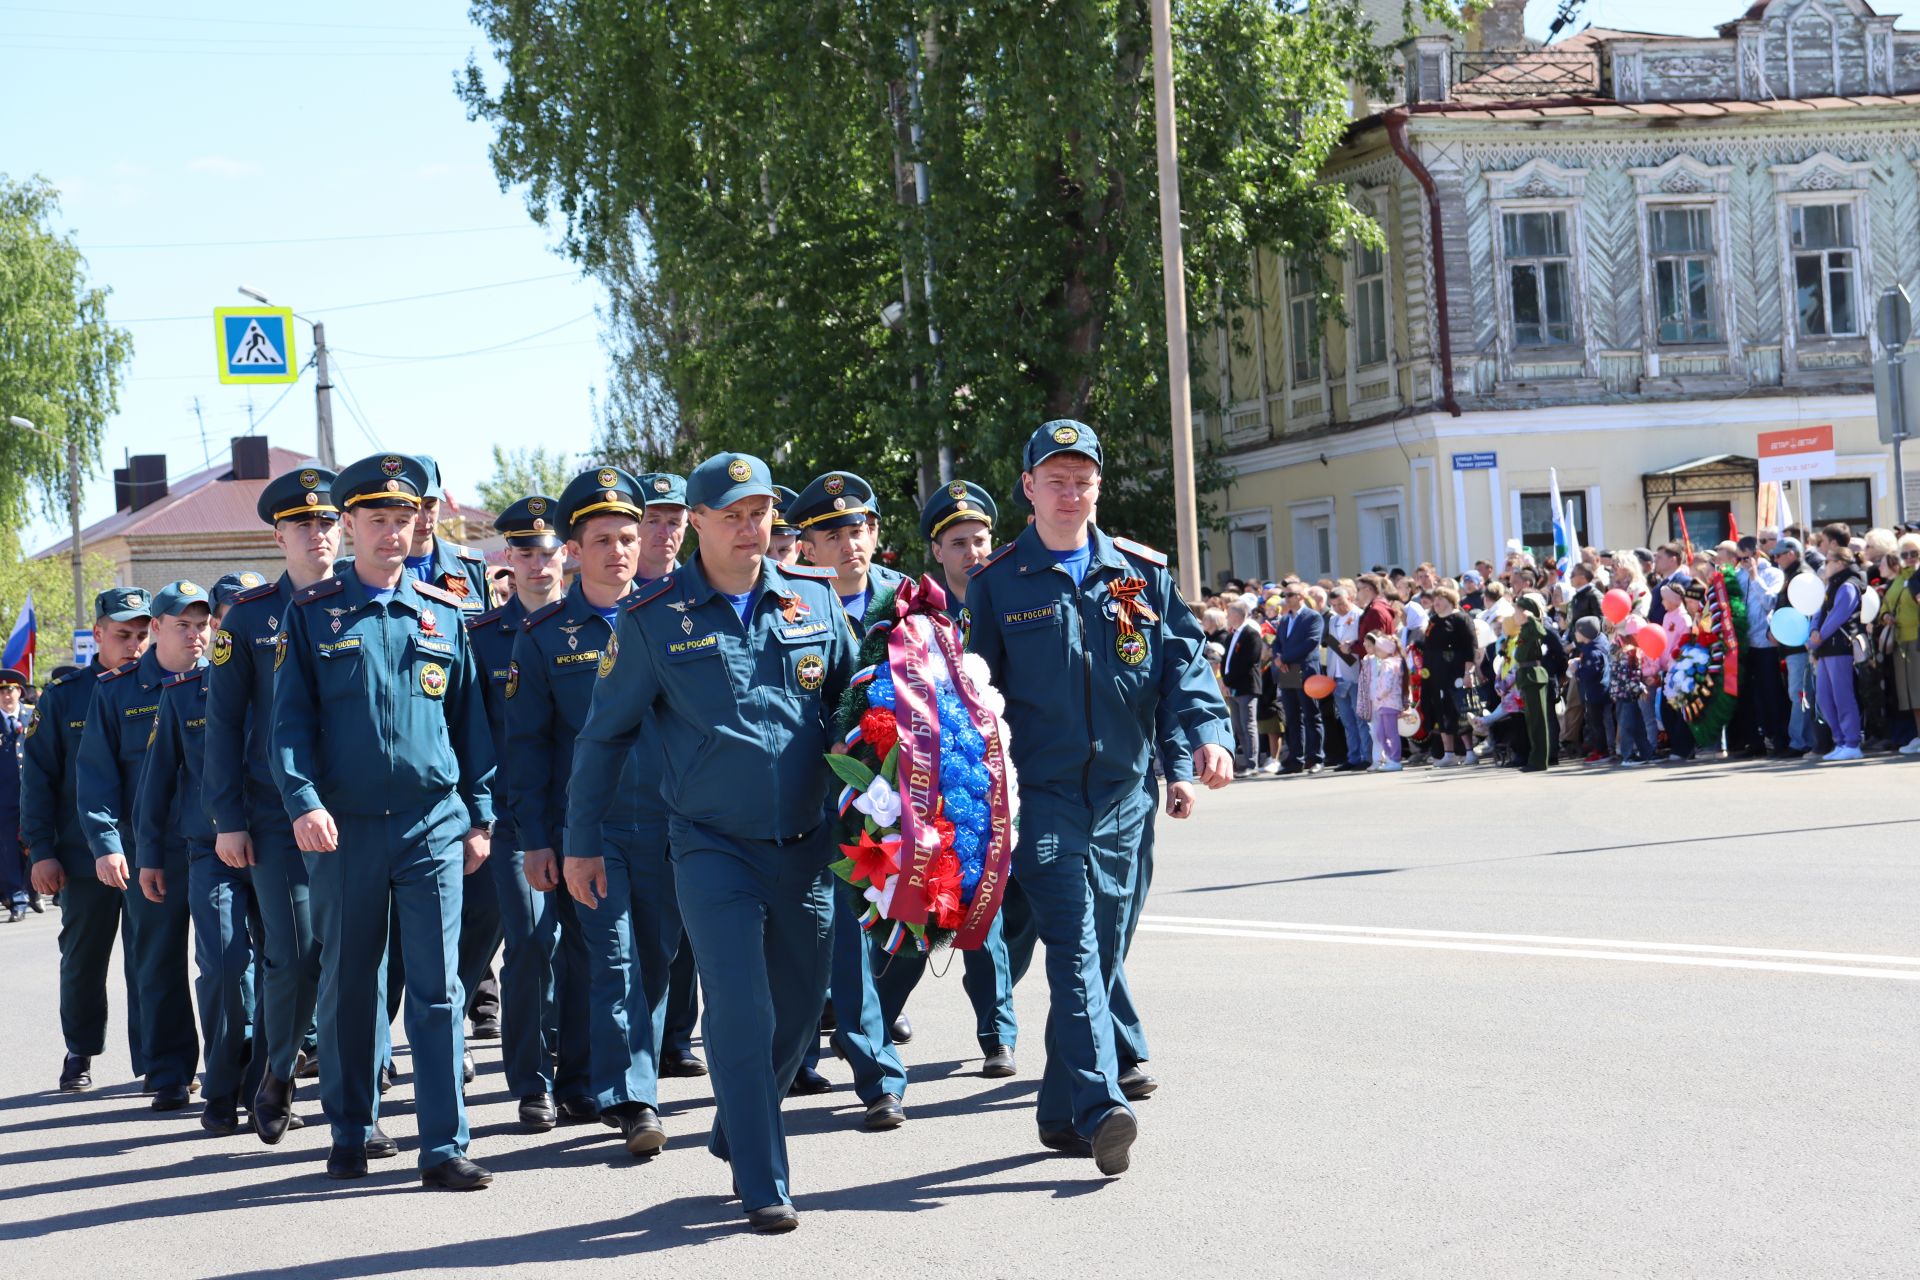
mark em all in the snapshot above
pixel 184 123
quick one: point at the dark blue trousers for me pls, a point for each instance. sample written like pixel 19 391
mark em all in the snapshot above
pixel 630 941
pixel 169 1041
pixel 528 1000
pixel 227 986
pixel 289 949
pixel 90 915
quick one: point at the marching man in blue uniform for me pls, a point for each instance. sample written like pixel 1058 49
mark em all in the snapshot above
pixel 171 814
pixel 839 521
pixel 1092 646
pixel 530 995
pixel 113 750
pixel 91 912
pixel 384 760
pixel 555 661
pixel 13 866
pixel 251 834
pixel 739 664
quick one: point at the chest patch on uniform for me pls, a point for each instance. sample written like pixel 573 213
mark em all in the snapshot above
pixel 334 648
pixel 1030 617
pixel 565 660
pixel 1132 647
pixel 691 648
pixel 803 631
pixel 222 647
pixel 134 713
pixel 607 658
pixel 812 671
pixel 443 648
pixel 433 680
pixel 513 678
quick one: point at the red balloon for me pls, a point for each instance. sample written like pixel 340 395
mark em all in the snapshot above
pixel 1319 687
pixel 1652 641
pixel 1616 605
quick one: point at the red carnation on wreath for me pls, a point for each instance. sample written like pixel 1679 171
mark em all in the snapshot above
pixel 879 730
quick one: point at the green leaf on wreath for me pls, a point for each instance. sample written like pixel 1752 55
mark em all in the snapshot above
pixel 890 767
pixel 843 869
pixel 851 771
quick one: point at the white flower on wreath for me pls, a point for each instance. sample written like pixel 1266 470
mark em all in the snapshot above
pixel 975 668
pixel 882 896
pixel 879 802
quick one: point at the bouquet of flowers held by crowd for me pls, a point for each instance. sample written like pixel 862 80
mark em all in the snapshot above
pixel 1703 681
pixel 928 804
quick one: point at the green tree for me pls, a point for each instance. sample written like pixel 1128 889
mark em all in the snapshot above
pixel 61 363
pixel 517 473
pixel 763 151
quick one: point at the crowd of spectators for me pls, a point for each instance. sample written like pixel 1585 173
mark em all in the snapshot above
pixel 1607 663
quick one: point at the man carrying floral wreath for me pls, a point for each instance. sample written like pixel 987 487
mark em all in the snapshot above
pixel 1091 644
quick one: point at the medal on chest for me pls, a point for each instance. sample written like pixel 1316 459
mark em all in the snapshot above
pixel 429 625
pixel 1125 606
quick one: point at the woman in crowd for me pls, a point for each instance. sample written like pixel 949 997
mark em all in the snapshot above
pixel 1832 645
pixel 1900 634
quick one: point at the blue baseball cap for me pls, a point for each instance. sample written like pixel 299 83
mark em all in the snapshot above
pixel 663 488
pixel 1062 435
pixel 433 489
pixel 232 584
pixel 726 478
pixel 123 604
pixel 178 597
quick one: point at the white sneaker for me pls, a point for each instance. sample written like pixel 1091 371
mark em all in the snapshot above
pixel 1389 766
pixel 1470 759
pixel 1446 761
pixel 1843 753
pixel 1272 767
pixel 1911 749
pixel 1633 764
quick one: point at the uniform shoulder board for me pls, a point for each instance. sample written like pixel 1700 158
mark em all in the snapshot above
pixel 319 590
pixel 652 591
pixel 491 615
pixel 260 592
pixel 119 671
pixel 441 594
pixel 1000 553
pixel 466 553
pixel 182 677
pixel 68 678
pixel 1141 551
pixel 809 571
pixel 541 614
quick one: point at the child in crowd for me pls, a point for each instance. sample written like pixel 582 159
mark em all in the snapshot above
pixel 1627 681
pixel 1383 693
pixel 1591 653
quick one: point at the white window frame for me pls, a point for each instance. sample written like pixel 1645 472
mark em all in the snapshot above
pixel 1367 503
pixel 1319 349
pixel 1821 179
pixel 1253 520
pixel 1684 182
pixel 1299 516
pixel 1540 186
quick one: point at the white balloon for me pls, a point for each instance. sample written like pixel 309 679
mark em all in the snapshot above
pixel 1806 593
pixel 1869 606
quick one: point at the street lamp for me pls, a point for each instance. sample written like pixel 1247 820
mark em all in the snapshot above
pixel 80 619
pixel 323 391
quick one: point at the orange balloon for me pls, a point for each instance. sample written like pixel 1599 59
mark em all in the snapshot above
pixel 1319 687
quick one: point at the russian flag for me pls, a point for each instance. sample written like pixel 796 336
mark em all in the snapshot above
pixel 21 641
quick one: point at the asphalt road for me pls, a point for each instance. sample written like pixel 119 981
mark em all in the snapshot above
pixel 1468 1024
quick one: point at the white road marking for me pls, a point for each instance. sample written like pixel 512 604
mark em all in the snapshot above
pixel 1569 948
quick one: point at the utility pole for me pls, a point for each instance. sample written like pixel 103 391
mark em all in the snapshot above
pixel 1174 284
pixel 1896 326
pixel 323 396
pixel 80 620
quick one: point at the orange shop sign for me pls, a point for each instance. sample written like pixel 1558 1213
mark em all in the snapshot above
pixel 1804 453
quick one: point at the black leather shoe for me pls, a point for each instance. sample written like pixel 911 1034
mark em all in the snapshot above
pixel 170 1097
pixel 682 1063
pixel 1136 1084
pixel 380 1146
pixel 829 1020
pixel 538 1113
pixel 1067 1141
pixel 457 1174
pixel 273 1108
pixel 1112 1140
pixel 16 913
pixel 347 1162
pixel 37 903
pixel 807 1083
pixel 306 1066
pixel 386 1081
pixel 578 1111
pixel 486 1028
pixel 467 1070
pixel 221 1116
pixel 884 1112
pixel 642 1132
pixel 901 1032
pixel 773 1219
pixel 999 1064
pixel 147 1087
pixel 76 1073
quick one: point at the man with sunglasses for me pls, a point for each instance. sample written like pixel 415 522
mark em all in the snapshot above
pixel 1761 718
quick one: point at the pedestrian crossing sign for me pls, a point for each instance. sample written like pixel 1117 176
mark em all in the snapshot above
pixel 256 344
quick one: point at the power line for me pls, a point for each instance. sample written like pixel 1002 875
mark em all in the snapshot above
pixel 245 244
pixel 240 53
pixel 378 302
pixel 352 402
pixel 476 351
pixel 258 42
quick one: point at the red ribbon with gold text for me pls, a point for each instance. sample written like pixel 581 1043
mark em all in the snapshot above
pixel 916 712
